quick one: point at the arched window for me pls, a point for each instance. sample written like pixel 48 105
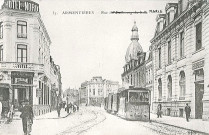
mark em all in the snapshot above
pixel 182 84
pixel 169 86
pixel 159 88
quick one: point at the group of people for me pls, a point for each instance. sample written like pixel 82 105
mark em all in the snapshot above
pixel 69 108
pixel 187 111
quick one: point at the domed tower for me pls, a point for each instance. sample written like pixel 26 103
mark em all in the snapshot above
pixel 134 60
pixel 134 48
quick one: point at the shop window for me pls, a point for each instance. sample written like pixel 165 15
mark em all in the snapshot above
pixel 198 36
pixel 21 53
pixel 21 29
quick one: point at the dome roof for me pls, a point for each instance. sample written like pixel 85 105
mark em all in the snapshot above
pixel 132 51
pixel 134 48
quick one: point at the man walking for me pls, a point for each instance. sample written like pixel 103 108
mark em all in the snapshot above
pixel 187 111
pixel 27 117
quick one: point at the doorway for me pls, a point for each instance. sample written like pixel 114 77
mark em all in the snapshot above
pixel 199 91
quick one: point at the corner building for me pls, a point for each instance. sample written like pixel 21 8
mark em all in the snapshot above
pixel 180 50
pixel 25 64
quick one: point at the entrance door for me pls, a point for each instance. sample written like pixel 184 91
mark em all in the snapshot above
pixel 21 95
pixel 199 91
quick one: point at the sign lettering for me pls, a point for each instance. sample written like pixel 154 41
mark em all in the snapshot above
pixel 21 5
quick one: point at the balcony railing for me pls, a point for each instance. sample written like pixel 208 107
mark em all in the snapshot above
pixel 16 66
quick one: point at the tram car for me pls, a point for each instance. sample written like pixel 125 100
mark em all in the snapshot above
pixel 134 104
pixel 130 104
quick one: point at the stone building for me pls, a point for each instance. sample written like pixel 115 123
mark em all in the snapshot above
pixel 94 91
pixel 134 69
pixel 26 70
pixel 180 49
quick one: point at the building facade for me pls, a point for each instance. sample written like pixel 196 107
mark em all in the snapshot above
pixel 180 50
pixel 134 69
pixel 94 91
pixel 25 64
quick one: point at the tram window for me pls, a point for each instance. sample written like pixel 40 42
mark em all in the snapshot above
pixel 138 97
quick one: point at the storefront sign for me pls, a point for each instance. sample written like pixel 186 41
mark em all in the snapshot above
pixel 21 5
pixel 21 81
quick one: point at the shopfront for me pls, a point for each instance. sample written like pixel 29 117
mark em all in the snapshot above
pixel 22 84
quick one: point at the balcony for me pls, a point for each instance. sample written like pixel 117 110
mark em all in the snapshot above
pixel 16 66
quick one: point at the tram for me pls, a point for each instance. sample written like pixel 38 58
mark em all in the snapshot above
pixel 130 104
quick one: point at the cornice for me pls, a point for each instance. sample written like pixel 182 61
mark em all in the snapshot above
pixel 178 20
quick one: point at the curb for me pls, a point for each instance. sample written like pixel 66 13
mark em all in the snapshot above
pixel 192 130
pixel 47 118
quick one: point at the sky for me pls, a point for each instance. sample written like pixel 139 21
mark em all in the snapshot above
pixel 87 45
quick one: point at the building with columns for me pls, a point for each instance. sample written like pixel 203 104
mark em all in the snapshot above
pixel 180 49
pixel 94 91
pixel 27 71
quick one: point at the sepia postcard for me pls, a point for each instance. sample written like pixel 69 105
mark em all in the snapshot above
pixel 104 67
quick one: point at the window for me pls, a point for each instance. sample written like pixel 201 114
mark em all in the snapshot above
pixel 182 83
pixel 181 44
pixel 159 57
pixel 21 53
pixel 93 91
pixel 169 86
pixel 169 52
pixel 159 89
pixel 1 52
pixel 21 29
pixel 1 30
pixel 198 36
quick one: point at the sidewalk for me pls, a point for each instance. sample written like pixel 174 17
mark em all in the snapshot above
pixel 50 115
pixel 193 124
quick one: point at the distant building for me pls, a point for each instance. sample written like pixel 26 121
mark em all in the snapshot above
pixel 71 96
pixel 26 69
pixel 180 49
pixel 94 91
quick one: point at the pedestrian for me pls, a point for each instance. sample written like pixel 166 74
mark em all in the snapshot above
pixel 27 117
pixel 10 114
pixel 67 108
pixel 0 109
pixel 187 111
pixel 159 111
pixel 59 107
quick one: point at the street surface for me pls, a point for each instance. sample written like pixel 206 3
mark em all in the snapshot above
pixel 91 121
